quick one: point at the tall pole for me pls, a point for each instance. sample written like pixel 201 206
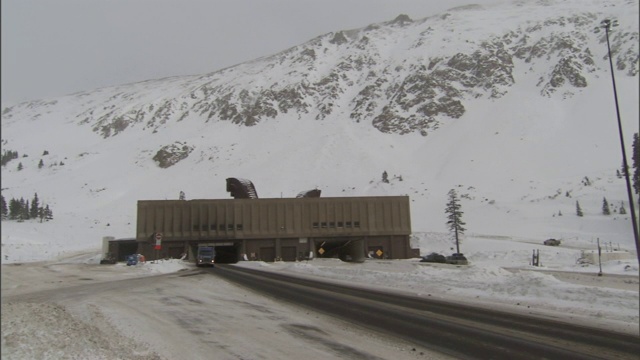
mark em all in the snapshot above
pixel 599 257
pixel 634 222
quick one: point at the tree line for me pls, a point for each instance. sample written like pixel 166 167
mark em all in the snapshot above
pixel 21 209
pixel 8 155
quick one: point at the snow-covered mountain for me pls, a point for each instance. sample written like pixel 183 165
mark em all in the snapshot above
pixel 512 105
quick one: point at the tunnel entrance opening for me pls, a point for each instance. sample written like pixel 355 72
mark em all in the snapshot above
pixel 227 254
pixel 349 250
pixel 125 249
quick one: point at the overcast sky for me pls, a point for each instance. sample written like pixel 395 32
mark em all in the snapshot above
pixel 52 48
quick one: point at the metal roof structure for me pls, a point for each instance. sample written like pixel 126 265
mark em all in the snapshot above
pixel 314 193
pixel 241 188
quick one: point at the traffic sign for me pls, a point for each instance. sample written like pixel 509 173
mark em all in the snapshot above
pixel 158 238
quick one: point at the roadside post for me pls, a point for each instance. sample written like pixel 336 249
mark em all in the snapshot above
pixel 158 237
pixel 599 254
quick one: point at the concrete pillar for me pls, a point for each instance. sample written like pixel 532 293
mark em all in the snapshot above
pixel 278 249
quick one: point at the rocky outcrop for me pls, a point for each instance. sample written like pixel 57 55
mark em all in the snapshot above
pixel 171 154
pixel 368 76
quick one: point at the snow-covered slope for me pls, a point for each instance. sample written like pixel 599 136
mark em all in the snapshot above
pixel 511 105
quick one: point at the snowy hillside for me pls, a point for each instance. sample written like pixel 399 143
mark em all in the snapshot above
pixel 511 105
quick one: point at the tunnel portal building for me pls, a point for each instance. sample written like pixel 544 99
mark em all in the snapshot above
pixel 287 229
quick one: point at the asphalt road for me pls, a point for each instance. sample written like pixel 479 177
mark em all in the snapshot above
pixel 101 312
pixel 457 330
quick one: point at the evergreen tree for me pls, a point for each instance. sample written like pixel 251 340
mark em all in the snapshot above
pixel 8 156
pixel 14 209
pixel 45 153
pixel 48 214
pixel 41 213
pixel 605 207
pixel 3 206
pixel 622 210
pixel 35 204
pixel 636 163
pixel 20 167
pixel 578 209
pixel 182 196
pixel 40 164
pixel 24 209
pixel 454 217
pixel 385 177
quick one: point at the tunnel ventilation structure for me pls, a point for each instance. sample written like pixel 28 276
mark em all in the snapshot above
pixel 241 188
pixel 315 193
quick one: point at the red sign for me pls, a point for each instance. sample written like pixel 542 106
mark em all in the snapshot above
pixel 158 237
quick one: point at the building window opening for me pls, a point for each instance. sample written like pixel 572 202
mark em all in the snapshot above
pixel 213 227
pixel 315 225
pixel 196 227
pixel 238 226
pixel 340 224
pixel 221 227
pixel 323 225
pixel 356 224
pixel 348 224
pixel 332 224
pixel 230 227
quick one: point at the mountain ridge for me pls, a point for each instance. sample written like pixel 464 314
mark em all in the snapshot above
pixel 415 95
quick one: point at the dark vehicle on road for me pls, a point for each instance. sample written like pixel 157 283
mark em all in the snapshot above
pixel 434 258
pixel 132 259
pixel 108 259
pixel 457 259
pixel 206 255
pixel 552 242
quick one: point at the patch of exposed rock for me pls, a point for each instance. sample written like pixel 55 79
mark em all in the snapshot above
pixel 170 155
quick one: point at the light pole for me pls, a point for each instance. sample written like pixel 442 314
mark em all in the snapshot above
pixel 607 24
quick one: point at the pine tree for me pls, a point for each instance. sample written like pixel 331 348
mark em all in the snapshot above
pixel 182 196
pixel 45 153
pixel 622 210
pixel 24 209
pixel 14 209
pixel 605 207
pixel 8 156
pixel 20 167
pixel 385 177
pixel 48 214
pixel 35 204
pixel 454 217
pixel 40 164
pixel 3 206
pixel 579 210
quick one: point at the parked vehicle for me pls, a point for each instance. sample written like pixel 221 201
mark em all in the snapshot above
pixel 552 242
pixel 457 259
pixel 206 255
pixel 132 259
pixel 434 258
pixel 108 259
